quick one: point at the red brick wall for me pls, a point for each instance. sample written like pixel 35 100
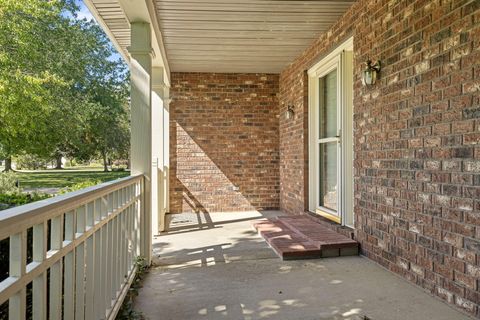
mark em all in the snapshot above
pixel 417 140
pixel 224 142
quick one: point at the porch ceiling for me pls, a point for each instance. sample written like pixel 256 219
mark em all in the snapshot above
pixel 247 36
pixel 258 36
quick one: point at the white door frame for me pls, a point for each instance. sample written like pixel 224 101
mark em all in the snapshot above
pixel 341 58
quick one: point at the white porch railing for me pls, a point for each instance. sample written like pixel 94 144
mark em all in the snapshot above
pixel 87 264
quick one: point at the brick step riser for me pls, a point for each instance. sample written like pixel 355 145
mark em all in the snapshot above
pixel 290 241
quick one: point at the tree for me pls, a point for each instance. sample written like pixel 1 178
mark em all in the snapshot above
pixel 108 131
pixel 51 67
pixel 35 72
pixel 106 122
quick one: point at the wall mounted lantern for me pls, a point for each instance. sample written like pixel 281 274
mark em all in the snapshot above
pixel 289 113
pixel 370 74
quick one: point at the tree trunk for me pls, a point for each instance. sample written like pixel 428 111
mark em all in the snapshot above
pixel 8 164
pixel 58 160
pixel 105 162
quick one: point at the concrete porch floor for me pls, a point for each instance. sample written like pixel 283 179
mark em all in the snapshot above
pixel 215 266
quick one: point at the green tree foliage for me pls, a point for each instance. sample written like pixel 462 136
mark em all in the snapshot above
pixel 56 76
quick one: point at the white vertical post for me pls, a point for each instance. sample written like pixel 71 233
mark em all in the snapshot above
pixel 18 260
pixel 90 265
pixel 109 265
pixel 166 153
pixel 116 256
pixel 80 265
pixel 56 276
pixel 69 273
pixel 40 283
pixel 160 148
pixel 157 149
pixel 141 105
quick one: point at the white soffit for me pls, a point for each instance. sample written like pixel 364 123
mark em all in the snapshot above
pixel 248 36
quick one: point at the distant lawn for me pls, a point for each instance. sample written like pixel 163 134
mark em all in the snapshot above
pixel 64 178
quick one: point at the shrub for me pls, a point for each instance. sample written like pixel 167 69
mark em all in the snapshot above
pixel 80 186
pixel 8 183
pixel 18 199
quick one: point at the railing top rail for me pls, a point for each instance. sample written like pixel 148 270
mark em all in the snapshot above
pixel 30 214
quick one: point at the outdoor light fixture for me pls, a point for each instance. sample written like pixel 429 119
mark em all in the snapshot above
pixel 289 113
pixel 370 74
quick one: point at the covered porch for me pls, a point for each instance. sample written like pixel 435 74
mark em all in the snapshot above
pixel 259 108
pixel 267 105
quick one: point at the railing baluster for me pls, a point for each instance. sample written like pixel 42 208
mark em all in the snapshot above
pixel 104 257
pixel 136 230
pixel 93 293
pixel 110 203
pixel 90 264
pixel 119 238
pixel 90 215
pixel 114 274
pixel 69 272
pixel 132 233
pixel 97 215
pixel 40 283
pixel 123 237
pixel 99 306
pixel 105 303
pixel 56 277
pixel 108 272
pixel 126 234
pixel 80 265
pixel 18 260
pixel 115 200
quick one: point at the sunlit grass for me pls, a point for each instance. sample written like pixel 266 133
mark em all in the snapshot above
pixel 64 178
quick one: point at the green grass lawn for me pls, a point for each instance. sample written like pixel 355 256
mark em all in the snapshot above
pixel 64 178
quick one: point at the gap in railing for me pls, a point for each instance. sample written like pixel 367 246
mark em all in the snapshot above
pixel 29 305
pixel 29 245
pixel 49 237
pixel 48 293
pixel 4 311
pixel 4 258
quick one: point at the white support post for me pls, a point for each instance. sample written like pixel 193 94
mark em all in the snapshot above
pixel 141 109
pixel 159 146
pixel 166 152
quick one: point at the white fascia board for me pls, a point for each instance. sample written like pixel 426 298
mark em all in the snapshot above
pixel 137 10
pixel 101 23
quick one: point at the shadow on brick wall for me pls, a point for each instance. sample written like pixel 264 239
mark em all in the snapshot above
pixel 198 184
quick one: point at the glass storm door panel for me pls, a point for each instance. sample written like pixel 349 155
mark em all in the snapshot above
pixel 328 145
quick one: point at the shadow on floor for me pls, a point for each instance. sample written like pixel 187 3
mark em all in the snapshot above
pixel 219 268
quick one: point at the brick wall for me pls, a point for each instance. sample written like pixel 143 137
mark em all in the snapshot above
pixel 224 142
pixel 417 140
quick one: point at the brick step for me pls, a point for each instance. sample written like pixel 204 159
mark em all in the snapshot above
pixel 298 237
